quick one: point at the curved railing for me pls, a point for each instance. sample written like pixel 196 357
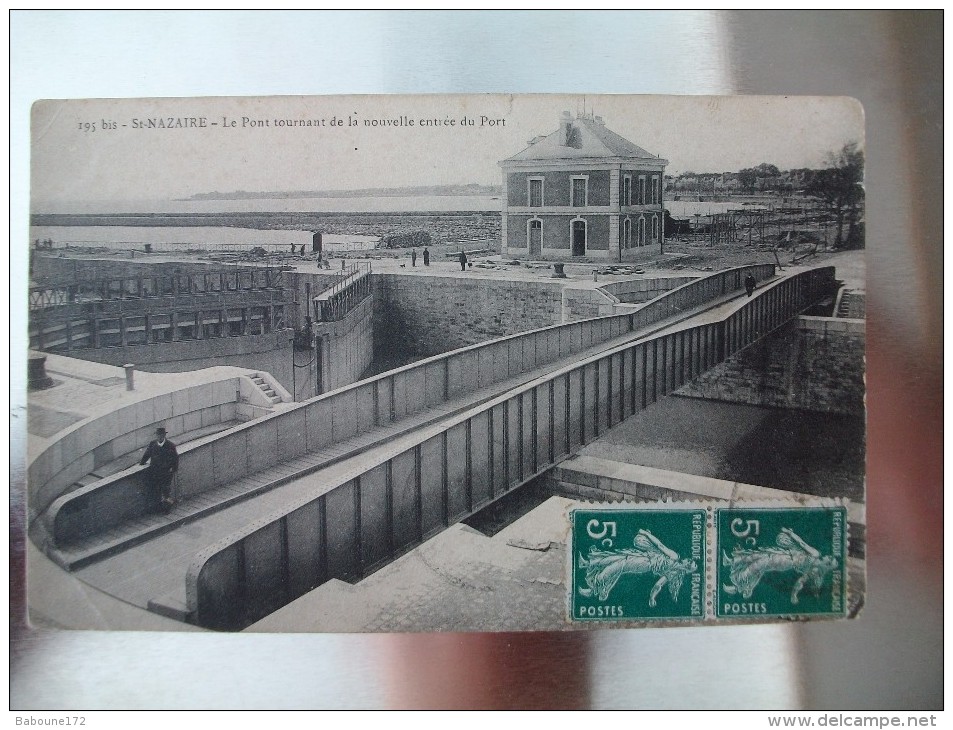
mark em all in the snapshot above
pixel 360 523
pixel 387 398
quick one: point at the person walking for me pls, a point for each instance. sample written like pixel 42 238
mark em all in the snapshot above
pixel 463 261
pixel 163 464
pixel 750 283
pixel 413 257
pixel 426 257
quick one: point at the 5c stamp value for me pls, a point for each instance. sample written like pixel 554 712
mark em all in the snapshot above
pixel 781 561
pixel 638 564
pixel 704 563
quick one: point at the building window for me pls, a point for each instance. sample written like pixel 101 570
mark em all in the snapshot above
pixel 536 192
pixel 627 190
pixel 627 233
pixel 641 231
pixel 641 190
pixel 579 191
pixel 656 196
pixel 654 227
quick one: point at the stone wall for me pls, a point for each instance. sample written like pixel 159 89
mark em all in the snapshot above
pixel 444 227
pixel 72 269
pixel 813 363
pixel 428 315
pixel 348 347
pixel 270 352
pixel 98 440
pixel 635 291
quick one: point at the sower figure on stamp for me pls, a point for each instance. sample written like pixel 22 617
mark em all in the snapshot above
pixel 163 463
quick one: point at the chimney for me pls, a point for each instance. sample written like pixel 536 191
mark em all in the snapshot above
pixel 565 129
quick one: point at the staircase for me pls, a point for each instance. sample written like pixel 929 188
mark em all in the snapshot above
pixel 851 305
pixel 265 388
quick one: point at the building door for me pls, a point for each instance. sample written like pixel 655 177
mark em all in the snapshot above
pixel 535 237
pixel 578 238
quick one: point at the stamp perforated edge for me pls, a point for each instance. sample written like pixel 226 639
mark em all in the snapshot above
pixel 851 600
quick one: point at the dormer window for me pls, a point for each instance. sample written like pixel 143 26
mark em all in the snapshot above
pixel 579 191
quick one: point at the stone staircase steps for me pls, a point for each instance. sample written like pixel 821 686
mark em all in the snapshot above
pixel 265 388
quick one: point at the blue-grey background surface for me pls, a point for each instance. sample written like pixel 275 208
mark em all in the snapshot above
pixel 889 659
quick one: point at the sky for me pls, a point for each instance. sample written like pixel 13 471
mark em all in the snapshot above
pixel 103 149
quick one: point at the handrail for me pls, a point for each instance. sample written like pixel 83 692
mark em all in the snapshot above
pixel 351 273
pixel 334 303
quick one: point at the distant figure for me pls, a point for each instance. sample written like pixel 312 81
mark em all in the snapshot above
pixel 302 249
pixel 463 261
pixel 413 257
pixel 163 463
pixel 426 257
pixel 750 283
pixel 292 248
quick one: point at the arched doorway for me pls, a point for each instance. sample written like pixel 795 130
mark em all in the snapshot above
pixel 535 234
pixel 578 237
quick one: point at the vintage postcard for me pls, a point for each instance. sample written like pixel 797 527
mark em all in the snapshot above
pixel 445 363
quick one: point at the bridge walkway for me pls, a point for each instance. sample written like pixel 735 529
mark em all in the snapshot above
pixel 144 561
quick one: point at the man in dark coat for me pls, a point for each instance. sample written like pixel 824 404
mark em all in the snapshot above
pixel 426 257
pixel 750 283
pixel 463 261
pixel 163 463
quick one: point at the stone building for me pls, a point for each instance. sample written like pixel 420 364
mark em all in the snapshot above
pixel 582 191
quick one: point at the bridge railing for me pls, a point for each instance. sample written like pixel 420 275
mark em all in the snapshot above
pixel 170 284
pixel 335 303
pixel 348 529
pixel 387 398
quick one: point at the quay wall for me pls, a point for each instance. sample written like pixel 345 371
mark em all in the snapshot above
pixel 72 269
pixel 430 315
pixel 812 363
pixel 347 348
pixel 270 352
pixel 443 227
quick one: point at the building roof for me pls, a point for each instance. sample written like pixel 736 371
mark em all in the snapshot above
pixel 589 137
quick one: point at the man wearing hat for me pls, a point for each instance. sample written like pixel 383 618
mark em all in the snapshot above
pixel 163 463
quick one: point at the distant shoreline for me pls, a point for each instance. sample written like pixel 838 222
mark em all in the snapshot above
pixel 442 191
pixel 266 220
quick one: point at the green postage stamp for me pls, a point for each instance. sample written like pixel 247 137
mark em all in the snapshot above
pixel 698 562
pixel 781 561
pixel 638 564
